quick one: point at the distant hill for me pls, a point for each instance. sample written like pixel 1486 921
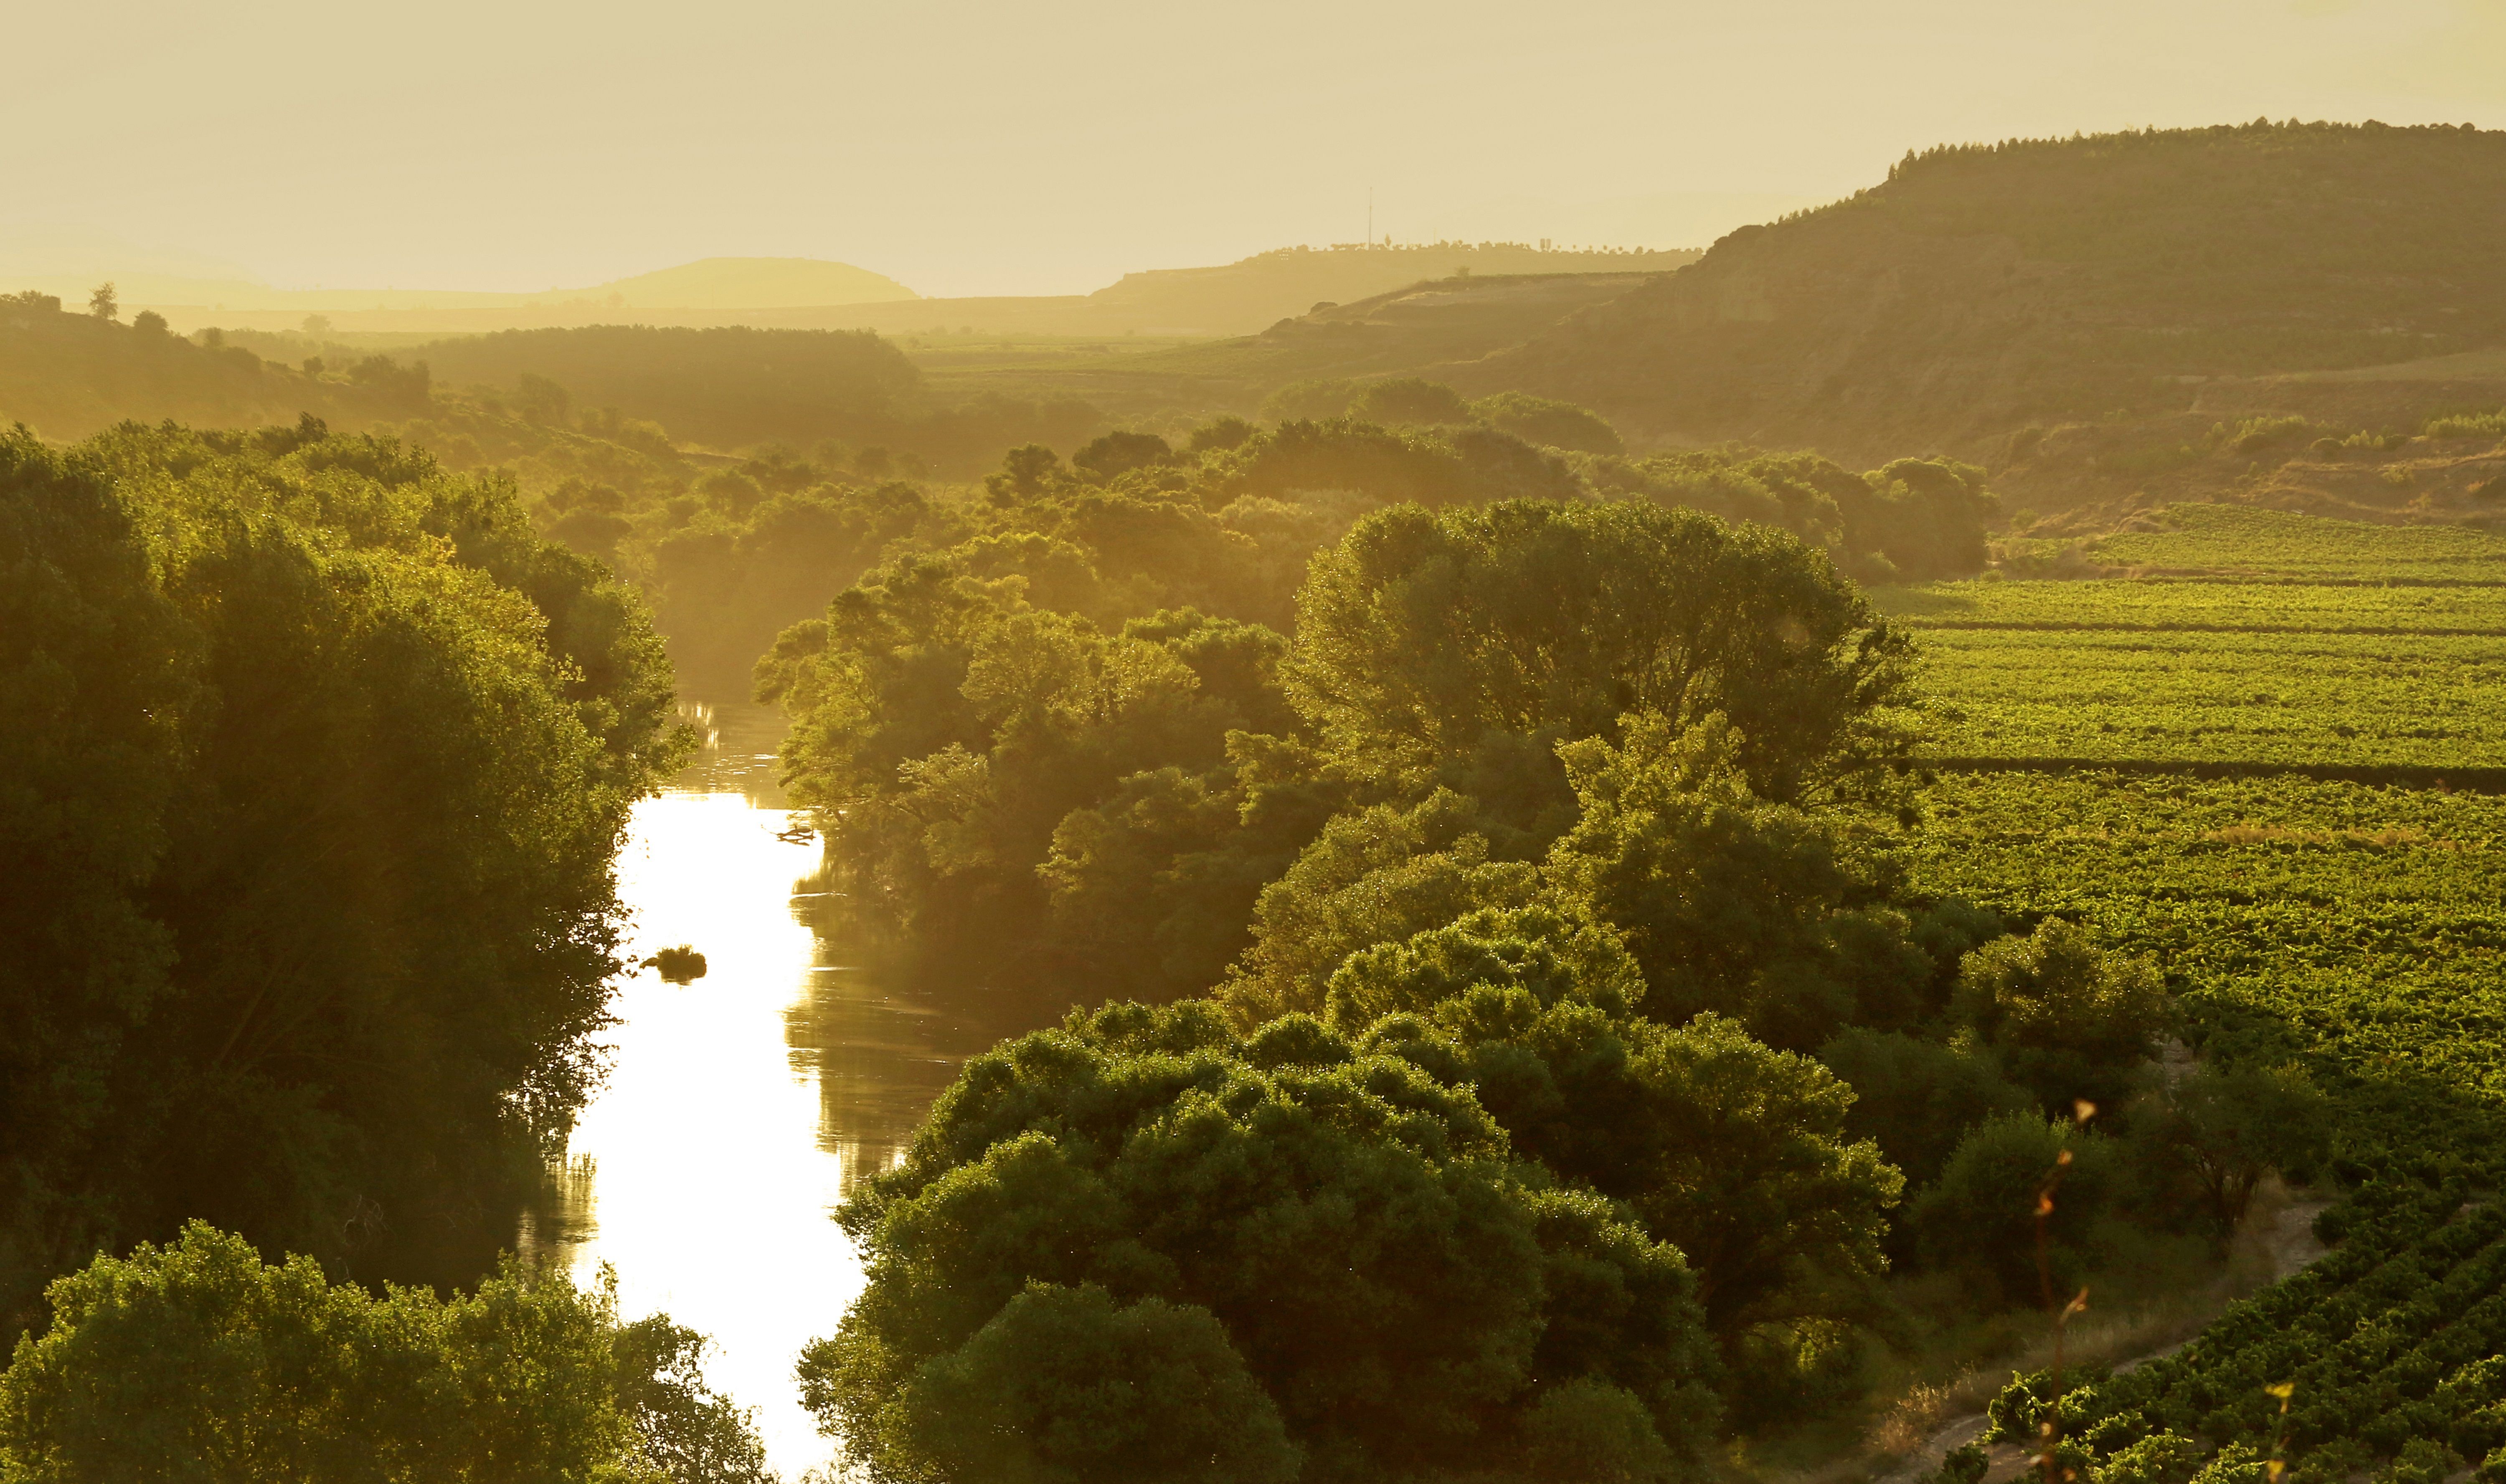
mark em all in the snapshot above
pixel 68 376
pixel 1420 329
pixel 710 290
pixel 726 386
pixel 1985 289
pixel 753 283
pixel 801 294
pixel 1252 294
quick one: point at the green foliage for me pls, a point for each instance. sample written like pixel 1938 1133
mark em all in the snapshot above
pixel 1966 1464
pixel 1347 1224
pixel 2386 1347
pixel 2333 948
pixel 1725 896
pixel 2072 1022
pixel 1916 1099
pixel 1731 1150
pixel 1309 401
pixel 1062 1382
pixel 1421 633
pixel 725 583
pixel 197 1361
pixel 2253 435
pixel 2211 1138
pixel 1593 1433
pixel 2152 608
pixel 282 706
pixel 1980 1216
pixel 1546 423
pixel 1913 520
pixel 1408 400
pixel 2365 701
pixel 2230 542
pixel 1376 875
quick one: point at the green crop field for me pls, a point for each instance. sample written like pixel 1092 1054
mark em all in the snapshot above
pixel 2241 541
pixel 2198 606
pixel 2157 759
pixel 2361 700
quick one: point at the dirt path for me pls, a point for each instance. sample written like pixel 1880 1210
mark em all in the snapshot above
pixel 2281 1247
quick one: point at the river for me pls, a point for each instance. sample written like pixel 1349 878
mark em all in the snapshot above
pixel 740 1108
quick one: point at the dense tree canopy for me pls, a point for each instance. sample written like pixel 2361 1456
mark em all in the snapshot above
pixel 197 1361
pixel 1536 854
pixel 1420 634
pixel 284 709
pixel 1333 1224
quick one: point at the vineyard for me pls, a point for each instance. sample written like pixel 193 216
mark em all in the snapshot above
pixel 2391 1347
pixel 2274 762
pixel 2240 542
pixel 2315 697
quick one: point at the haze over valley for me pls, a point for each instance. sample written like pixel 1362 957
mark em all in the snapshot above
pixel 1627 745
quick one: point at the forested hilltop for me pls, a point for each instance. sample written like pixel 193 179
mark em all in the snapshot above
pixel 1982 288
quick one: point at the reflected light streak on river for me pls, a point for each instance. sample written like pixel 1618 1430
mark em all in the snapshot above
pixel 740 1108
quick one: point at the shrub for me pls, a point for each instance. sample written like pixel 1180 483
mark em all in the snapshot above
pixel 1981 1215
pixel 197 1361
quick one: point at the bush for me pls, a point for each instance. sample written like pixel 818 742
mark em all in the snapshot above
pixel 1965 1465
pixel 1550 424
pixel 1981 1215
pixel 1593 1433
pixel 198 1361
pixel 1408 400
pixel 2071 1021
pixel 1918 1098
pixel 1066 1384
pixel 1308 401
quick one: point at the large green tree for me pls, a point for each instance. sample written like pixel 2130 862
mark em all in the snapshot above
pixel 1401 1294
pixel 317 761
pixel 197 1361
pixel 1423 632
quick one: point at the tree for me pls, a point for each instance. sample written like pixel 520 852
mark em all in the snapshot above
pixel 1408 400
pixel 150 323
pixel 1916 1098
pixel 1399 1296
pixel 2071 1021
pixel 1724 895
pixel 2209 1139
pixel 1066 1384
pixel 1309 401
pixel 1980 1216
pixel 250 1009
pixel 1117 453
pixel 1550 424
pixel 1732 1151
pixel 1421 632
pixel 198 1361
pixel 316 324
pixel 104 303
pixel 1377 875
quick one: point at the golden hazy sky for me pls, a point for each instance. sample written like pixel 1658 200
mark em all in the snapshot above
pixel 988 147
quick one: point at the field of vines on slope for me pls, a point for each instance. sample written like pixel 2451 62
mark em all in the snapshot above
pixel 2310 698
pixel 2355 923
pixel 2361 928
pixel 2392 1347
pixel 2241 543
pixel 2166 607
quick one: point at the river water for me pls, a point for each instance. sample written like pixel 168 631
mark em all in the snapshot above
pixel 739 1109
